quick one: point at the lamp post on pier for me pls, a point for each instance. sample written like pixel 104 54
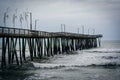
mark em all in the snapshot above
pixel 30 14
pixel 62 27
pixel 93 31
pixel 30 21
pixel 88 31
pixel 5 16
pixel 14 18
pixel 82 29
pixel 78 29
pixel 21 19
pixel 36 23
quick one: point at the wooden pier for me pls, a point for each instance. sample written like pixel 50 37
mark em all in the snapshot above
pixel 14 42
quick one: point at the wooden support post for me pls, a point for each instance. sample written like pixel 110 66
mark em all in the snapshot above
pixel 57 49
pixel 48 46
pixel 99 42
pixel 65 41
pixel 89 43
pixel 96 42
pixel 24 48
pixel 69 42
pixel 67 45
pixel 9 52
pixel 82 44
pixel 52 53
pixel 86 44
pixel 14 51
pixel 35 48
pixel 70 45
pixel 62 49
pixel 79 44
pixel 74 45
pixel 38 47
pixel 92 43
pixel 63 45
pixel 55 45
pixel 45 46
pixel 60 45
pixel 3 63
pixel 20 50
pixel 30 48
pixel 41 47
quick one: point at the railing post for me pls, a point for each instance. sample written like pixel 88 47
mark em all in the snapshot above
pixel 24 31
pixel 2 31
pixel 8 31
pixel 14 30
pixel 28 32
pixel 19 32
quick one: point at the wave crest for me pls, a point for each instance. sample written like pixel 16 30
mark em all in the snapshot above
pixel 57 66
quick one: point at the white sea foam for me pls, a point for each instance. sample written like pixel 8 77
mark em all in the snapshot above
pixel 84 58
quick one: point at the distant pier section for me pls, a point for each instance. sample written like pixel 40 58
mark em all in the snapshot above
pixel 16 42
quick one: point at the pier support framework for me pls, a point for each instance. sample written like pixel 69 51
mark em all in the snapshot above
pixel 18 44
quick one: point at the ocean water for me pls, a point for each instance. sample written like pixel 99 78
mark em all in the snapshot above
pixel 101 63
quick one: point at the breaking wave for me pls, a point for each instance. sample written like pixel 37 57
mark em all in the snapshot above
pixel 86 58
pixel 57 66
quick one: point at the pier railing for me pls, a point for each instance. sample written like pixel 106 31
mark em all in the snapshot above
pixel 17 32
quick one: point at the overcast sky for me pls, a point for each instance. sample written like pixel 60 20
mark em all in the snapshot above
pixel 101 15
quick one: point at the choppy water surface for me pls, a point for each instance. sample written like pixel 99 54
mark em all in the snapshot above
pixel 94 64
